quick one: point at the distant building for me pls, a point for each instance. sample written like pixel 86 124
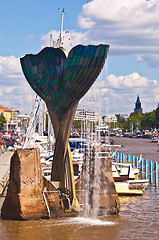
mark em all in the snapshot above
pixel 14 115
pixel 110 118
pixel 6 112
pixel 10 127
pixel 10 114
pixel 138 105
pixel 22 117
pixel 82 114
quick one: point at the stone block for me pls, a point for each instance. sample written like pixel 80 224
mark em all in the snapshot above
pixel 24 199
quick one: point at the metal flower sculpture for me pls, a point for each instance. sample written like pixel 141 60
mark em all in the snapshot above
pixel 61 81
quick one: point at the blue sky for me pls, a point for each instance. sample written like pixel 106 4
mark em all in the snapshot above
pixel 130 27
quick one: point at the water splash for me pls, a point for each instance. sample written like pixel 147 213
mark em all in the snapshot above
pixel 92 183
pixel 89 221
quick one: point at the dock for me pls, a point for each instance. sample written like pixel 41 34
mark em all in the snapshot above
pixel 4 169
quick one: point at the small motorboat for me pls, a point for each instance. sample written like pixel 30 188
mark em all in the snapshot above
pixel 126 179
pixel 131 187
pixel 155 139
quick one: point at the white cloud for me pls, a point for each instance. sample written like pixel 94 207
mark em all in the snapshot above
pixel 14 89
pixel 130 27
pixel 124 14
pixel 118 94
pixel 9 65
pixel 156 94
pixel 132 80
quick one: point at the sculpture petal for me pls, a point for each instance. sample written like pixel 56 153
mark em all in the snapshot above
pixel 59 80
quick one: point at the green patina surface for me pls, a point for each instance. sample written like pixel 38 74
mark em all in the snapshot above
pixel 59 80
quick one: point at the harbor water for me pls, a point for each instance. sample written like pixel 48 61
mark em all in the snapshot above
pixel 137 146
pixel 138 218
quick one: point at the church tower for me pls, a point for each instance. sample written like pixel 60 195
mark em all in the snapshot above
pixel 138 105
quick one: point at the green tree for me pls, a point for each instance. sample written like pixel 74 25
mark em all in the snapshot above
pixel 122 123
pixel 148 120
pixel 2 121
pixel 23 124
pixel 135 119
pixel 157 116
pixel 76 124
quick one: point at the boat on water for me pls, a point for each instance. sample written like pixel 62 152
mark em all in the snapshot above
pixel 126 179
pixel 124 171
pixel 77 160
pixel 43 143
pixel 103 130
pixel 77 142
pixel 155 139
pixel 131 187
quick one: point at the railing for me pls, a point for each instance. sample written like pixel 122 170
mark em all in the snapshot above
pixel 148 169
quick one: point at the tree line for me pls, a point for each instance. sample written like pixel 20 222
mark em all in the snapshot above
pixel 140 121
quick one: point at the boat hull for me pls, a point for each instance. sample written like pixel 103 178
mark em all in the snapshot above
pixel 131 187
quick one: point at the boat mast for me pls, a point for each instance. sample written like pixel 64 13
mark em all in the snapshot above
pixel 60 37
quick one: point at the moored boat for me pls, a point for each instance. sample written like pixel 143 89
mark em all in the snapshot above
pixel 131 187
pixel 155 139
pixel 126 179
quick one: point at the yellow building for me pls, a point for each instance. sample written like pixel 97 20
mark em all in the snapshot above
pixel 6 112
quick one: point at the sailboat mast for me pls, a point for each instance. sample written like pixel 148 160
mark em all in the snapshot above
pixel 60 38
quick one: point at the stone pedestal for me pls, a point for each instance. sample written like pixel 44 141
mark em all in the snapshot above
pixel 24 199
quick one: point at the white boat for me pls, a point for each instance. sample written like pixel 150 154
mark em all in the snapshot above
pixel 103 130
pixel 124 171
pixel 46 161
pixel 155 139
pixel 46 172
pixel 42 142
pixel 77 160
pixel 126 179
pixel 77 143
pixel 131 187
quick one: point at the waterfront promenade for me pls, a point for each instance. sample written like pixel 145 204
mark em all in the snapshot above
pixel 4 169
